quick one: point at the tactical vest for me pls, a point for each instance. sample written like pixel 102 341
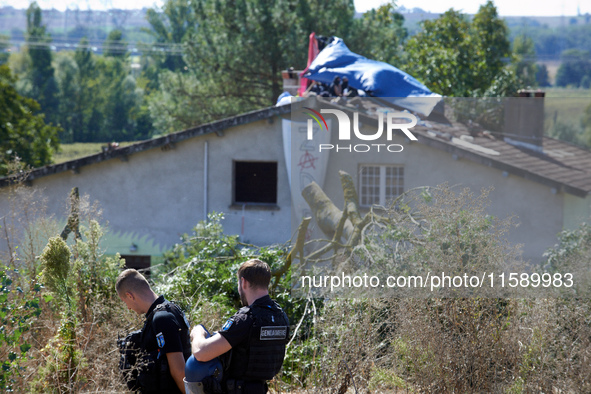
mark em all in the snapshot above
pixel 262 356
pixel 154 373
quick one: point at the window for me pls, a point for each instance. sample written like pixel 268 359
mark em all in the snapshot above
pixel 378 184
pixel 255 182
pixel 138 262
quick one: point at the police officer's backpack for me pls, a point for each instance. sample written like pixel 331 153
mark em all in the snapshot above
pixel 129 348
pixel 148 371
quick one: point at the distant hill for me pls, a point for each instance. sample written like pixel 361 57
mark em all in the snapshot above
pixel 72 25
pixel 551 35
pixel 413 17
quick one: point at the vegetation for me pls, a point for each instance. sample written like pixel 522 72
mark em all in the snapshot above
pixel 60 313
pixel 567 114
pixel 221 69
pixel 575 69
pixel 457 57
pixel 19 309
pixel 80 149
pixel 103 94
pixel 200 272
pixel 551 41
pixel 22 132
pixel 54 322
pixel 386 343
pixel 40 77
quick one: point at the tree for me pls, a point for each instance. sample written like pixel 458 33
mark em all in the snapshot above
pixel 22 132
pixel 68 92
pixel 223 68
pixel 490 36
pixel 86 117
pixel 385 27
pixel 117 100
pixel 43 86
pixel 456 57
pixel 235 56
pixel 171 25
pixel 222 49
pixel 99 98
pixel 441 55
pixel 542 77
pixel 115 46
pixel 524 56
pixel 575 65
pixel 4 40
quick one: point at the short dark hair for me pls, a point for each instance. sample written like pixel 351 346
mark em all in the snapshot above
pixel 131 280
pixel 256 272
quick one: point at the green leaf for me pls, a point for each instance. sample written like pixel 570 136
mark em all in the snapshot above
pixel 25 348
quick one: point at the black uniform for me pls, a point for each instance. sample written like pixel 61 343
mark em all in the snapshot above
pixel 166 330
pixel 258 334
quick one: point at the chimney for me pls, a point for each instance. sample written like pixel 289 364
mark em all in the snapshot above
pixel 291 81
pixel 524 119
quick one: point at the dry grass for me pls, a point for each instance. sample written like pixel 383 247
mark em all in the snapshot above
pixel 445 345
pixel 394 345
pixel 97 369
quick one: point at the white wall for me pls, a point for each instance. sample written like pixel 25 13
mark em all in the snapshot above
pixel 576 211
pixel 539 212
pixel 157 195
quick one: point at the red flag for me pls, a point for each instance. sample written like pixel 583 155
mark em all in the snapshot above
pixel 312 53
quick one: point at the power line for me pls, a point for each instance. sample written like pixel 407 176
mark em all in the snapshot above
pixel 171 49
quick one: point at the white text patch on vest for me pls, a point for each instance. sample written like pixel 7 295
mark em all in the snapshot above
pixel 273 332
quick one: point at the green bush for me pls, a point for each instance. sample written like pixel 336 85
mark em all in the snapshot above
pixel 201 272
pixel 82 282
pixel 18 309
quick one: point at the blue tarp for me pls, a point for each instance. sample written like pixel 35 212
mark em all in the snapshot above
pixel 376 78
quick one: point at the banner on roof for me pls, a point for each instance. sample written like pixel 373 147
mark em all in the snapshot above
pixel 376 79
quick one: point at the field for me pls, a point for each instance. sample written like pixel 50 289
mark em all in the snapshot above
pixel 80 149
pixel 564 111
pixel 567 93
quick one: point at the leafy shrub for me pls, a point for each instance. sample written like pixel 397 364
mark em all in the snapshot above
pixel 82 281
pixel 55 263
pixel 95 275
pixel 62 353
pixel 18 309
pixel 201 271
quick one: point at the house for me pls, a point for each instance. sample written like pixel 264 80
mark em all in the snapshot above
pixel 543 182
pixel 153 191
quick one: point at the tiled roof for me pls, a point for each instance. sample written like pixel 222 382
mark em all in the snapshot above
pixel 559 164
pixel 556 163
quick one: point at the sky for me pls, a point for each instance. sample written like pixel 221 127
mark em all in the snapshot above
pixel 505 7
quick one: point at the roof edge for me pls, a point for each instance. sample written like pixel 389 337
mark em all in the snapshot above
pixel 501 165
pixel 169 139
